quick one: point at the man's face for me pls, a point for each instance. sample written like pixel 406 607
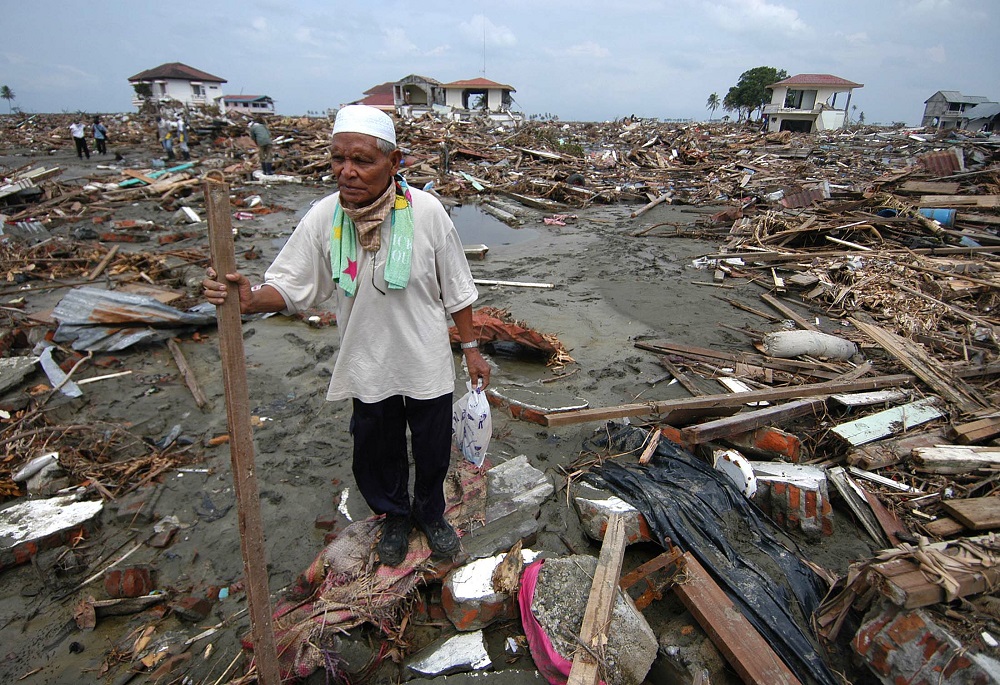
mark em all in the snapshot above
pixel 363 171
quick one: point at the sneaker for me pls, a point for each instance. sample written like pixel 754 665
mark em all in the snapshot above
pixel 441 537
pixel 395 541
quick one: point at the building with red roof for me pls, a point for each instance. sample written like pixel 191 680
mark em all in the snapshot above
pixel 176 81
pixel 806 103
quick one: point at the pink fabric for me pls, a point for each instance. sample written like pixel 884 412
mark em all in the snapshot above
pixel 547 660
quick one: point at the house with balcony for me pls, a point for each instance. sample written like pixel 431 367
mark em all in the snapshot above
pixel 247 104
pixel 176 82
pixel 414 96
pixel 806 103
pixel 947 108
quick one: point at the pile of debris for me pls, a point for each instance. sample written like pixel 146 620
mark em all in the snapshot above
pixel 876 354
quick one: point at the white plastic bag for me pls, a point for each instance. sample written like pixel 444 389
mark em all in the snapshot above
pixel 472 424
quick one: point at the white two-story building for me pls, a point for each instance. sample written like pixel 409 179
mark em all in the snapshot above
pixel 806 103
pixel 178 82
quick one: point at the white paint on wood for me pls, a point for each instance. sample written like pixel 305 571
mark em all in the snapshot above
pixel 889 422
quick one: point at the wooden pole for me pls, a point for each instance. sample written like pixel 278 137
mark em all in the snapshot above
pixel 601 602
pixel 234 377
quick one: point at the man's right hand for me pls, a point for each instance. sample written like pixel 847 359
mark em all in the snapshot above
pixel 215 291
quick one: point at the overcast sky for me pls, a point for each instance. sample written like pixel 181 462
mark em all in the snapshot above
pixel 582 60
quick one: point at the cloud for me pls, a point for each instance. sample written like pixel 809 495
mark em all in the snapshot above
pixel 495 35
pixel 937 54
pixel 397 43
pixel 926 6
pixel 589 49
pixel 743 16
pixel 259 24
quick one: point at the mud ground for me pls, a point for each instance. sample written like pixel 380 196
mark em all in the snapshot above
pixel 610 290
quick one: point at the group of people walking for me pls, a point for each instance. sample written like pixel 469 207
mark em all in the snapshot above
pixel 173 134
pixel 79 132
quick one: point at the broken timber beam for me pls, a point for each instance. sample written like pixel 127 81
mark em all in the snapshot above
pixel 955 458
pixel 931 372
pixel 744 648
pixel 662 408
pixel 234 377
pixel 603 593
pixel 748 421
pixel 187 374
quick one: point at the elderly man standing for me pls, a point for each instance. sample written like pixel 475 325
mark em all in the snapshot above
pixel 395 261
pixel 262 137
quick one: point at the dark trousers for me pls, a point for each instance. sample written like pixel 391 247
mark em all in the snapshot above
pixel 102 145
pixel 81 147
pixel 381 466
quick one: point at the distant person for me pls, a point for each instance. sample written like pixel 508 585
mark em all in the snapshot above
pixel 262 137
pixel 79 131
pixel 163 135
pixel 100 137
pixel 182 138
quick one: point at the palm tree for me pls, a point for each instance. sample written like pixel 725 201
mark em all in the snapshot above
pixel 7 94
pixel 713 103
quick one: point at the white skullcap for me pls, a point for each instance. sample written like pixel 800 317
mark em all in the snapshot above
pixel 367 120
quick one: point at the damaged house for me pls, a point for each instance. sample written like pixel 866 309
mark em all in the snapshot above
pixel 947 109
pixel 414 96
pixel 806 103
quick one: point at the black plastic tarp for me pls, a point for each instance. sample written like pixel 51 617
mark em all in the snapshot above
pixel 700 510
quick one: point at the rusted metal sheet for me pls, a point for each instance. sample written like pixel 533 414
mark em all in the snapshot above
pixel 943 163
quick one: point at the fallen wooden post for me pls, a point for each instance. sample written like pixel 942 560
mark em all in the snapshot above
pixel 744 648
pixel 748 421
pixel 603 593
pixel 220 233
pixel 660 200
pixel 104 263
pixel 187 374
pixel 662 408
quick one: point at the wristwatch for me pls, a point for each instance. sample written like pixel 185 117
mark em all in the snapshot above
pixel 469 345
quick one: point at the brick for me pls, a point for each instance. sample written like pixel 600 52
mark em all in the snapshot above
pixel 133 581
pixel 595 507
pixel 468 598
pixel 795 495
pixel 191 608
pixel 908 647
pixel 768 443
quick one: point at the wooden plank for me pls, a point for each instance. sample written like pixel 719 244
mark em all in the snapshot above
pixel 892 421
pixel 748 421
pixel 866 399
pixel 928 370
pixel 104 263
pixel 889 522
pixel 663 408
pixel 187 374
pixel 960 200
pixel 977 431
pixel 138 175
pixel 854 496
pixel 943 527
pixel 745 364
pixel 786 311
pixel 241 450
pixel 929 187
pixel 744 648
pixel 977 513
pixel 950 459
pixel 603 593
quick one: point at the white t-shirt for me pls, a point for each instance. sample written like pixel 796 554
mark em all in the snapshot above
pixel 78 130
pixel 393 342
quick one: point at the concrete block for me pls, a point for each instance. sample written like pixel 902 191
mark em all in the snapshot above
pixel 559 605
pixel 901 646
pixel 796 496
pixel 595 507
pixel 501 534
pixel 29 527
pixel 454 654
pixel 468 598
pixel 515 484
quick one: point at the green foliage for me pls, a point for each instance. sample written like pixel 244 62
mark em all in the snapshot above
pixel 143 90
pixel 751 92
pixel 713 103
pixel 7 94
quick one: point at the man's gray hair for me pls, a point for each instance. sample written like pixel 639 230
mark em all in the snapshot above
pixel 384 145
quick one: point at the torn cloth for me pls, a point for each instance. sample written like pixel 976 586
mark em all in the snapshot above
pixel 345 587
pixel 701 511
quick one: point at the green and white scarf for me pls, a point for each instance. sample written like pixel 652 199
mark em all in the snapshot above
pixel 344 244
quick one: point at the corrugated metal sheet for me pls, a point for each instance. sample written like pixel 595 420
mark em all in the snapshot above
pixel 107 320
pixel 943 163
pixel 804 198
